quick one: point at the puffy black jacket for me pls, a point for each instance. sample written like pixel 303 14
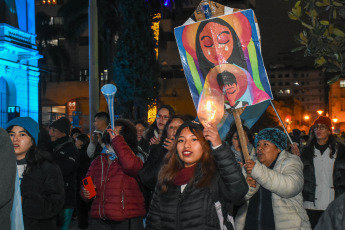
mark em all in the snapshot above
pixel 42 196
pixel 194 208
pixel 66 156
pixel 309 171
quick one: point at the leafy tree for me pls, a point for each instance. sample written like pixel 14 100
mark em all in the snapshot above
pixel 323 35
pixel 135 61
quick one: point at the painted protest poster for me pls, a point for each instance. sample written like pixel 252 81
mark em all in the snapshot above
pixel 224 53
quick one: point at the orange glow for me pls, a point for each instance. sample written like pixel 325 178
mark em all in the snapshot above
pixel 335 120
pixel 306 117
pixel 319 112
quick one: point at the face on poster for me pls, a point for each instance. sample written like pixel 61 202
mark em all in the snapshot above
pixel 224 53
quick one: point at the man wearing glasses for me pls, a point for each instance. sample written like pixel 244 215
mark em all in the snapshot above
pixel 324 169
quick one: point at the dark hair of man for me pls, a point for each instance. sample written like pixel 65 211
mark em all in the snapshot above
pixel 103 116
pixel 233 130
pixel 128 131
pixel 173 164
pixel 226 78
pixel 85 140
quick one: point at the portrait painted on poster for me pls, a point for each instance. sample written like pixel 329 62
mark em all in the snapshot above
pixel 224 53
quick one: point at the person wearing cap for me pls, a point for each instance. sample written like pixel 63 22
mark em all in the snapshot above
pixel 196 183
pixel 274 200
pixel 42 186
pixel 67 157
pixel 324 169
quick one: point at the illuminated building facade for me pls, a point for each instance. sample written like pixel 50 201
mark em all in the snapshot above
pixel 19 72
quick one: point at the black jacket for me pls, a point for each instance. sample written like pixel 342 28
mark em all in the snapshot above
pixel 66 156
pixel 194 208
pixel 42 196
pixel 309 170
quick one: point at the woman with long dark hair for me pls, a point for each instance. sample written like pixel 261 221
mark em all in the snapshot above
pixel 155 130
pixel 42 186
pixel 196 181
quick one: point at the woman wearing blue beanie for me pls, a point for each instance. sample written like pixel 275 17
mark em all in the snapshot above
pixel 274 199
pixel 42 186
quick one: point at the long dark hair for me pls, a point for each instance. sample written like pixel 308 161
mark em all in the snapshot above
pixel 128 131
pixel 236 57
pixel 312 141
pixel 35 156
pixel 153 126
pixel 173 164
pixel 233 130
pixel 86 141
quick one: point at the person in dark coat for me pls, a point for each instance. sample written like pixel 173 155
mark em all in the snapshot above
pixel 196 182
pixel 42 186
pixel 66 156
pixel 324 169
pixel 334 216
pixel 7 178
pixel 82 141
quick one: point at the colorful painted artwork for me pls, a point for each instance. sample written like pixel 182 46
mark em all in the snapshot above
pixel 224 53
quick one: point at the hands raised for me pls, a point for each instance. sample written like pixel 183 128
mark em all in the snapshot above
pixel 211 134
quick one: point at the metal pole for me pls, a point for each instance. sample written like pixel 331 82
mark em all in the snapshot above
pixel 281 122
pixel 93 62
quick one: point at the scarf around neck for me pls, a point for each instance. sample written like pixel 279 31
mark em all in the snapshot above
pixel 184 175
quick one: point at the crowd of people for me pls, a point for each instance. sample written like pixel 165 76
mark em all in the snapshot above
pixel 172 174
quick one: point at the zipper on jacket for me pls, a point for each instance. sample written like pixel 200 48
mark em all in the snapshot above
pixel 105 183
pixel 123 200
pixel 178 211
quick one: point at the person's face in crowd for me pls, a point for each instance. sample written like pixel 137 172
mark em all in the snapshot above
pixel 55 134
pixel 21 140
pixel 140 130
pixel 322 132
pixel 173 126
pixel 266 152
pixel 235 140
pixel 231 91
pixel 78 143
pixel 189 148
pixel 162 118
pixel 75 135
pixel 216 43
pixel 99 124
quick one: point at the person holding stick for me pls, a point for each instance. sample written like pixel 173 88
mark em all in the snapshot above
pixel 274 200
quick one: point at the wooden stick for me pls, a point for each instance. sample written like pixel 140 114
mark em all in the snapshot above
pixel 240 132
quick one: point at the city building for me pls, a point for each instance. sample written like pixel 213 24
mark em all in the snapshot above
pixel 19 72
pixel 337 105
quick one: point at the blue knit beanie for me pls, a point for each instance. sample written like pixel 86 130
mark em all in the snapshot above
pixel 29 124
pixel 277 137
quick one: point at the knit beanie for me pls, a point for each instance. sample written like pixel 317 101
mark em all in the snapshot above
pixel 63 125
pixel 324 120
pixel 29 124
pixel 277 137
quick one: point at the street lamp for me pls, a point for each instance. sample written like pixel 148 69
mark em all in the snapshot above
pixel 335 120
pixel 319 112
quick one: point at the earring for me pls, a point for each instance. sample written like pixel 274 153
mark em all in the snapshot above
pixel 226 48
pixel 208 52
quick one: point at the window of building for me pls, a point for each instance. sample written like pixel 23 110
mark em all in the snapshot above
pixel 56 21
pixel 296 91
pixel 295 75
pixel 287 75
pixel 281 91
pixel 287 83
pixel 272 76
pixel 302 82
pixel 280 75
pixel 342 83
pixel 280 83
pixel 287 91
pixel 302 75
pixel 273 84
pixel 296 83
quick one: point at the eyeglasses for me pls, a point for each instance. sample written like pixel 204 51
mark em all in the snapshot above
pixel 164 117
pixel 321 127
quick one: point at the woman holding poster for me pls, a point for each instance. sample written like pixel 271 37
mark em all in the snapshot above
pixel 196 182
